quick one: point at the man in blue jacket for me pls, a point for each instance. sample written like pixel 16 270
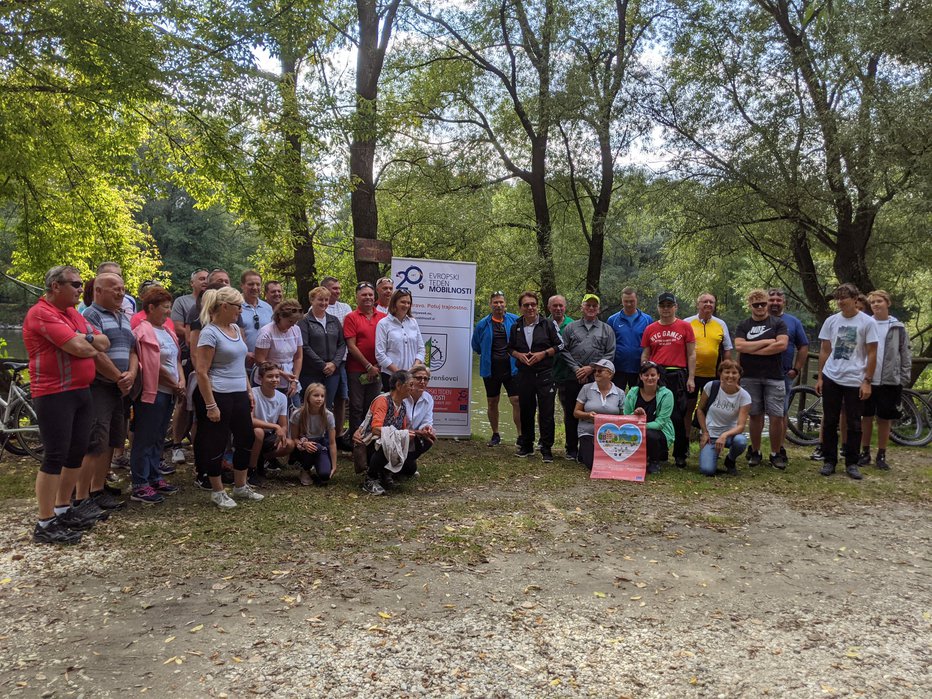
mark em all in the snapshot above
pixel 496 367
pixel 629 325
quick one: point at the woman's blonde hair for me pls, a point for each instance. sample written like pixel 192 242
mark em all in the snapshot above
pixel 317 291
pixel 214 298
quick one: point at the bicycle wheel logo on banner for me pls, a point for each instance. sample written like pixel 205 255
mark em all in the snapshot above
pixel 412 276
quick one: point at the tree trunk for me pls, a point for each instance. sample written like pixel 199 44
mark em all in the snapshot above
pixel 599 215
pixel 850 263
pixel 370 57
pixel 802 253
pixel 305 266
pixel 538 183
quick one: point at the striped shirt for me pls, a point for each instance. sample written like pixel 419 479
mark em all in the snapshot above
pixel 116 326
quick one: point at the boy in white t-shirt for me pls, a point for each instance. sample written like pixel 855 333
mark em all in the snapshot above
pixel 847 359
pixel 269 422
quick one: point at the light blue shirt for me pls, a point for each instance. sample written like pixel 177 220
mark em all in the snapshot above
pixel 253 318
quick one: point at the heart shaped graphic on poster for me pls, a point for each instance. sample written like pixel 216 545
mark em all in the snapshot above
pixel 619 442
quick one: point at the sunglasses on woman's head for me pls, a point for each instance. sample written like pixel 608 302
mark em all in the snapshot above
pixel 255 320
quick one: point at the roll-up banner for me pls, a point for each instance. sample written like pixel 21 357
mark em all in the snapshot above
pixel 444 297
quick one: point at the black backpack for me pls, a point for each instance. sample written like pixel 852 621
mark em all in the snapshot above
pixel 713 393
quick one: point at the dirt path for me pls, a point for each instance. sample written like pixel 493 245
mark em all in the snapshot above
pixel 757 598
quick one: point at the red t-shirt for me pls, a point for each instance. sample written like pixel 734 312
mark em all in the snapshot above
pixel 45 329
pixel 362 329
pixel 668 342
pixel 141 316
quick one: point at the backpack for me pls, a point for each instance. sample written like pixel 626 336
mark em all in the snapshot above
pixel 713 393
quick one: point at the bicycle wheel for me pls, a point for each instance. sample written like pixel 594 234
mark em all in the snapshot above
pixel 24 417
pixel 914 427
pixel 805 416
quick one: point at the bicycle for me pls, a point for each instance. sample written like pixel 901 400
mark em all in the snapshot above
pixel 804 419
pixel 19 426
pixel 912 429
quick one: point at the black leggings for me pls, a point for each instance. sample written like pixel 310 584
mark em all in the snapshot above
pixel 64 427
pixel 212 438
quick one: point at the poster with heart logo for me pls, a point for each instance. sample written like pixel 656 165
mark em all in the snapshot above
pixel 620 451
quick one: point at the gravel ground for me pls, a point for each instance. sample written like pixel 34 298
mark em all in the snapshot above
pixel 782 601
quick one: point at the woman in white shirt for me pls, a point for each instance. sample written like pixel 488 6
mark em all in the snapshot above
pixel 398 341
pixel 420 408
pixel 723 419
pixel 279 342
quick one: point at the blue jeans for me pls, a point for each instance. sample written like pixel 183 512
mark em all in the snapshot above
pixel 708 458
pixel 151 424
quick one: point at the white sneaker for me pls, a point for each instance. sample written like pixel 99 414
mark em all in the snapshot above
pixel 178 456
pixel 247 493
pixel 222 500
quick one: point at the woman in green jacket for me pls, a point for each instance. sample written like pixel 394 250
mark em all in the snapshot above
pixel 655 404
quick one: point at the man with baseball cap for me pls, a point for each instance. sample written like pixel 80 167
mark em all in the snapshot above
pixel 585 341
pixel 671 343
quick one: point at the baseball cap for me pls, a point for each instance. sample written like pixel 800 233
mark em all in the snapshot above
pixel 605 364
pixel 591 297
pixel 666 297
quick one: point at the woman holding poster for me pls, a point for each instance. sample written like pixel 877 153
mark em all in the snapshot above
pixel 601 397
pixel 655 403
pixel 398 342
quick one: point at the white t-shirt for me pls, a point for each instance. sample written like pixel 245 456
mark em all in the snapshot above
pixel 269 409
pixel 883 327
pixel 847 364
pixel 722 414
pixel 282 347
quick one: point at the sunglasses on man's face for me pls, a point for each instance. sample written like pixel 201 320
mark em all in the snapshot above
pixel 75 284
pixel 759 304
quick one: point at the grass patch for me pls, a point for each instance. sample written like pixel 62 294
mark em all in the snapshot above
pixel 471 502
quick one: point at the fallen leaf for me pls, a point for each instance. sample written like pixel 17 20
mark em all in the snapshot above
pixel 6 581
pixel 694 680
pixel 555 682
pixel 169 639
pixel 195 629
pixel 854 652
pixel 636 597
pixel 385 615
pixel 600 595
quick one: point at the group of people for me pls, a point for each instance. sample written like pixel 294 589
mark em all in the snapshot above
pixel 250 380
pixel 684 373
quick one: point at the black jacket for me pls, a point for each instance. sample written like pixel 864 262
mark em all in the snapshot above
pixel 544 338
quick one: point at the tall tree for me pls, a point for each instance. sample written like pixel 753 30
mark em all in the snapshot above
pixel 376 21
pixel 800 110
pixel 605 44
pixel 510 45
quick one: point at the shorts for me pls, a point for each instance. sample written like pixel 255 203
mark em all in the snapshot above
pixel 493 385
pixel 269 442
pixel 766 396
pixel 108 421
pixel 884 402
pixel 700 382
